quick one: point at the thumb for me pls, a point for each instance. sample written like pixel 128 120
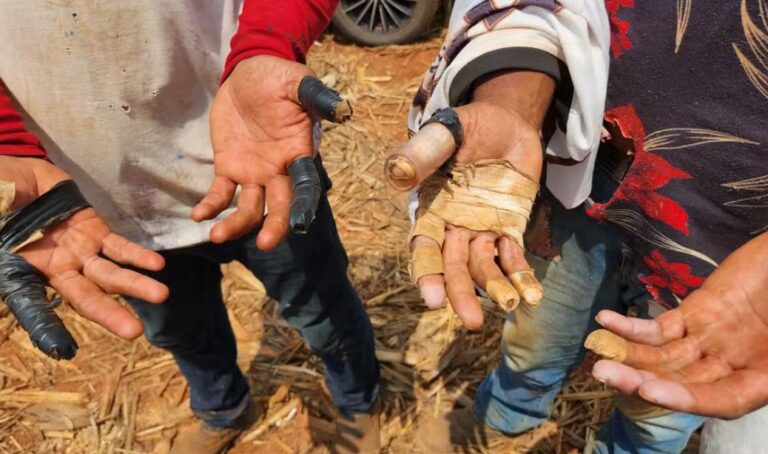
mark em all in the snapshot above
pixel 437 140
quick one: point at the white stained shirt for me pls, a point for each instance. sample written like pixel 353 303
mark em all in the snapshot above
pixel 119 93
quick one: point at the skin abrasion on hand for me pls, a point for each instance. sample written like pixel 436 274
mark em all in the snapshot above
pixel 484 196
pixel 22 287
pixel 321 102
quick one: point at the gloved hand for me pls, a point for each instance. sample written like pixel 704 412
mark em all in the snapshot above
pixel 480 201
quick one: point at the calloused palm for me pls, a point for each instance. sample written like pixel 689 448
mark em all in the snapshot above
pixel 258 127
pixel 709 356
pixel 78 256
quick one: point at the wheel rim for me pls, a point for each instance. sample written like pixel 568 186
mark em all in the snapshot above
pixel 379 16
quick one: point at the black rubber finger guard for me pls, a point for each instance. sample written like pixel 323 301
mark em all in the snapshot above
pixel 22 288
pixel 307 190
pixel 322 101
pixel 450 119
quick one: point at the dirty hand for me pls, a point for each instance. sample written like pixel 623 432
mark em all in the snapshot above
pixel 68 255
pixel 261 124
pixel 482 205
pixel 709 356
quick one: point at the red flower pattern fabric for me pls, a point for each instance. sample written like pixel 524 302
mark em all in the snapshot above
pixel 675 277
pixel 648 173
pixel 620 41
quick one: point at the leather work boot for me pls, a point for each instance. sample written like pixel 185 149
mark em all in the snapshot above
pixel 360 433
pixel 199 438
pixel 460 431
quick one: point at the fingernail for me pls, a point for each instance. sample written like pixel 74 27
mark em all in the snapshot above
pixel 597 319
pixel 599 377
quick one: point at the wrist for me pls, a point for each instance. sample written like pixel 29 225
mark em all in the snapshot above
pixel 526 94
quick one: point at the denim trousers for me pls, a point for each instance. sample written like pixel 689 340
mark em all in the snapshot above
pixel 306 275
pixel 542 345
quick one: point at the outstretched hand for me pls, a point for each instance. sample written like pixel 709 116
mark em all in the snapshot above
pixel 258 128
pixel 709 356
pixel 502 123
pixel 78 256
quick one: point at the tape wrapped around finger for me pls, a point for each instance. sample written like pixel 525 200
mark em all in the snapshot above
pixel 528 286
pixel 485 196
pixel 503 293
pixel 424 153
pixel 488 195
pixel 322 101
pixel 307 191
pixel 608 345
pixel 22 288
pixel 425 260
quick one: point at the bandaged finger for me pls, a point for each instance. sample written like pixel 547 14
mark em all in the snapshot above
pixel 426 239
pixel 608 345
pixel 426 258
pixel 486 196
pixel 528 286
pixel 503 293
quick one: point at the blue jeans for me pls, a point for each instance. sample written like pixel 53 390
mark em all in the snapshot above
pixel 307 275
pixel 542 345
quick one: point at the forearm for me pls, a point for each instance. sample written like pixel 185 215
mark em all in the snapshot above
pixel 15 140
pixel 284 29
pixel 528 93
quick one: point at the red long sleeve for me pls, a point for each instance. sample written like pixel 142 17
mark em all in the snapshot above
pixel 15 140
pixel 284 28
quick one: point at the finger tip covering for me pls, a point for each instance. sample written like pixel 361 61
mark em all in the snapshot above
pixel 607 344
pixel 533 296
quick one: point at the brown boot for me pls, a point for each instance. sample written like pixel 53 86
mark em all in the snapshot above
pixel 199 438
pixel 360 433
pixel 460 431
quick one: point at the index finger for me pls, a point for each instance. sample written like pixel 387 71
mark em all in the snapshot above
pixel 666 327
pixel 420 157
pixel 670 356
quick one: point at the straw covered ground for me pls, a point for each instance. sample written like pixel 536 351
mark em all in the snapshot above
pixel 128 397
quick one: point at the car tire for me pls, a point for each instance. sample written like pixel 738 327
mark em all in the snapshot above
pixel 354 23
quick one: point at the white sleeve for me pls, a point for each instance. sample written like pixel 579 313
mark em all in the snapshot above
pixel 568 40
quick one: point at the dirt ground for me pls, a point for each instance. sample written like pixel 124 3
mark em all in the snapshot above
pixel 129 397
